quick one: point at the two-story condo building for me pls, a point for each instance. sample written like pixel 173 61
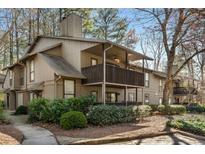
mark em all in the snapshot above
pixel 70 65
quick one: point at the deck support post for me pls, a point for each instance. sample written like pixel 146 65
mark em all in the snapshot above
pixel 142 96
pixel 125 95
pixel 104 74
pixel 136 96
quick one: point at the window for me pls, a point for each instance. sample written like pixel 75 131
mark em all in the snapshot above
pixel 22 77
pixel 32 96
pixel 111 97
pixel 147 98
pixel 94 61
pixel 10 77
pixel 69 88
pixel 160 85
pixel 94 93
pixel 31 68
pixel 131 97
pixel 160 100
pixel 146 79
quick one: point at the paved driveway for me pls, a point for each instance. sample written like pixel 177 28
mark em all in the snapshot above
pixel 175 139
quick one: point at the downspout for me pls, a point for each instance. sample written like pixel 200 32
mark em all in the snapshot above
pixel 104 72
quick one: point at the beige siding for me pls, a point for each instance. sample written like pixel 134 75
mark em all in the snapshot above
pixel 71 50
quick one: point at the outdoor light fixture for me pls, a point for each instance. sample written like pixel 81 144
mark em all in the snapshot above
pixel 117 60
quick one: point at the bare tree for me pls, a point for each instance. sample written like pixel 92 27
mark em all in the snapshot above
pixel 175 27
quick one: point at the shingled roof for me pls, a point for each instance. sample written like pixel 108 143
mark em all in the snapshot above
pixel 61 66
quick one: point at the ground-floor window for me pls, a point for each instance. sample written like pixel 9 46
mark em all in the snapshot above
pixel 94 94
pixel 69 88
pixel 131 97
pixel 160 100
pixel 111 97
pixel 147 98
pixel 32 96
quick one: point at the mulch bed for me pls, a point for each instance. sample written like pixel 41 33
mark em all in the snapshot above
pixel 9 134
pixel 150 124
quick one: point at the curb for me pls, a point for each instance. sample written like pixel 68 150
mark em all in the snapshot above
pixel 105 140
pixel 189 134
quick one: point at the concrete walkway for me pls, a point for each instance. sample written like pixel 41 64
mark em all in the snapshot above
pixel 33 135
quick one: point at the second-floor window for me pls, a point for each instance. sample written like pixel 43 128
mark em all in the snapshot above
pixel 31 68
pixel 146 79
pixel 10 77
pixel 94 61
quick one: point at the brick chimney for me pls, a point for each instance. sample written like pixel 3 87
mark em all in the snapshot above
pixel 71 26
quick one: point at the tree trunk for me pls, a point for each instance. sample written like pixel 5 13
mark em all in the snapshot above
pixel 168 87
pixel 16 36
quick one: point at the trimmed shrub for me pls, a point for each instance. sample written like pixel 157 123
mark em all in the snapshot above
pixel 73 119
pixel 194 125
pixel 142 111
pixel 154 107
pixel 81 104
pixel 2 116
pixel 161 109
pixel 176 109
pixel 38 110
pixel 195 108
pixel 110 114
pixel 56 108
pixel 21 110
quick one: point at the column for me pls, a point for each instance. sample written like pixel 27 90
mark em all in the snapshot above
pixel 104 75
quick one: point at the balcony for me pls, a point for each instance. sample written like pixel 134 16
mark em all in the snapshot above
pixel 184 91
pixel 114 74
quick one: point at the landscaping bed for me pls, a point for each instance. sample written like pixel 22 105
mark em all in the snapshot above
pixel 150 124
pixel 10 135
pixel 191 123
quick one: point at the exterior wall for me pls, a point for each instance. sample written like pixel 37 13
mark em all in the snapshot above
pixel 70 49
pixel 153 90
pixel 42 72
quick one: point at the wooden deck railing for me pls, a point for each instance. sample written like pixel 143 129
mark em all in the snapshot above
pixel 114 74
pixel 184 90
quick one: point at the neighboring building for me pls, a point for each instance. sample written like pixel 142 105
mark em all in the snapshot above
pixel 68 66
pixel 2 76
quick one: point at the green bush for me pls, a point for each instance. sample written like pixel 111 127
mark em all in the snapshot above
pixel 192 124
pixel 110 114
pixel 55 109
pixel 2 116
pixel 81 104
pixel 73 119
pixel 38 110
pixel 21 110
pixel 161 109
pixel 172 109
pixel 154 107
pixel 142 111
pixel 195 108
pixel 41 109
pixel 176 109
